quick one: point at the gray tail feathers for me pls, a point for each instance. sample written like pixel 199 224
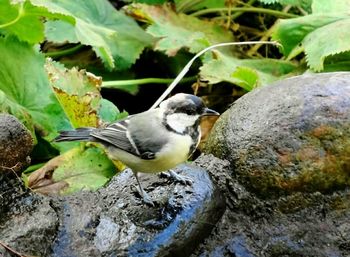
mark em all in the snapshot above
pixel 80 134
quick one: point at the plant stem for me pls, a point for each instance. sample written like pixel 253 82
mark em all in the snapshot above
pixel 267 35
pixel 246 9
pixel 19 15
pixel 237 14
pixel 64 52
pixel 119 83
pixel 188 65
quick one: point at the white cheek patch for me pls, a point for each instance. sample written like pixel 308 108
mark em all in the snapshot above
pixel 180 121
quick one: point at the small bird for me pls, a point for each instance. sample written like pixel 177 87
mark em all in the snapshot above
pixel 152 141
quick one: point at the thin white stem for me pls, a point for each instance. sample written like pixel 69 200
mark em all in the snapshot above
pixel 188 65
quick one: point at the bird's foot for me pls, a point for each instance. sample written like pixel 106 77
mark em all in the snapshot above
pixel 145 197
pixel 177 177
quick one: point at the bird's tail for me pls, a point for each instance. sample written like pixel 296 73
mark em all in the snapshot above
pixel 79 134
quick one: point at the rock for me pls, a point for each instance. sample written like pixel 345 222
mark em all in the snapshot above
pixel 292 136
pixel 302 224
pixel 28 225
pixel 114 222
pixel 16 144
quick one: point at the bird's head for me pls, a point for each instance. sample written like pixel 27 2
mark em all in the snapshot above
pixel 184 110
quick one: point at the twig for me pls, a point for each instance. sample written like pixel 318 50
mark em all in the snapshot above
pixel 12 250
pixel 12 169
pixel 188 65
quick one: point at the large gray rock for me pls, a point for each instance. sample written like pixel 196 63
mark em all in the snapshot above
pixel 291 136
pixel 28 223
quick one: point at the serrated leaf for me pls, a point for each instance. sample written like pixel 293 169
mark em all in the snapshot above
pixel 286 2
pixel 339 34
pixel 25 89
pixel 150 1
pixel 76 170
pixel 269 1
pixel 291 32
pixel 116 38
pixel 24 20
pixel 79 95
pixel 305 4
pixel 176 31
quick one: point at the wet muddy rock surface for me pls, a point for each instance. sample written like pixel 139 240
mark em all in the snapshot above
pixel 114 222
pixel 186 220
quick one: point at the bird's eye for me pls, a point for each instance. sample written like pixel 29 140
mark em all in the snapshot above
pixel 189 112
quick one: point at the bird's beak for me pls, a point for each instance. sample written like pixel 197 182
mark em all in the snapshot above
pixel 210 112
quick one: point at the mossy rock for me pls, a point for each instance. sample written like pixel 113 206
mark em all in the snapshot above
pixel 16 144
pixel 291 136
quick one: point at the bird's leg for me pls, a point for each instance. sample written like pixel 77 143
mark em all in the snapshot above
pixel 145 197
pixel 177 177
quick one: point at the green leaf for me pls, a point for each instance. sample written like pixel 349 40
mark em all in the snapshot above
pixel 246 78
pixel 25 90
pixel 230 69
pixel 327 7
pixel 60 32
pixel 116 38
pixel 76 170
pixel 24 20
pixel 339 34
pixel 310 32
pixel 291 32
pixel 150 1
pixel 27 28
pixel 275 67
pixel 176 31
pixel 87 170
pixel 108 112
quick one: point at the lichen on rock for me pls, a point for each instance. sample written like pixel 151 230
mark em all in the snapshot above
pixel 292 136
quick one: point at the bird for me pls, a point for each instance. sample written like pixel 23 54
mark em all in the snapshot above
pixel 152 141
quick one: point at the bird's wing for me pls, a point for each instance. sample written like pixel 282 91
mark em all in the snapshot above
pixel 117 135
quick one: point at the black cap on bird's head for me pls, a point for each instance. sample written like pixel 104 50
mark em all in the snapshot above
pixel 188 104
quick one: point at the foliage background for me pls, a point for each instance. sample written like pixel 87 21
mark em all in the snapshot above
pixel 54 54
